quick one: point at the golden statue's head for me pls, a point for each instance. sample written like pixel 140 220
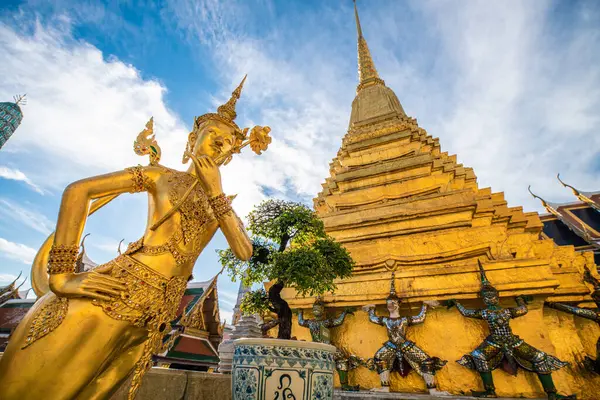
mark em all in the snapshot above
pixel 216 134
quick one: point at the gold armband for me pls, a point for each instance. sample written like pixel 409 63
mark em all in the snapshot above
pixel 220 205
pixel 141 182
pixel 62 259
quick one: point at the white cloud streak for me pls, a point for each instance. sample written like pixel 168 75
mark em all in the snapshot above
pixel 17 251
pixel 85 111
pixel 27 217
pixel 16 175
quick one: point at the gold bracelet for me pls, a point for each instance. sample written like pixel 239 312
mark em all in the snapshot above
pixel 220 205
pixel 141 182
pixel 62 259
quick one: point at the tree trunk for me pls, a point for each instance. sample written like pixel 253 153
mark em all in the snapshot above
pixel 283 310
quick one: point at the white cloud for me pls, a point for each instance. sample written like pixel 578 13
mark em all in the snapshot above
pixel 16 175
pixel 226 315
pixel 7 278
pixel 83 111
pixel 17 251
pixel 512 91
pixel 27 217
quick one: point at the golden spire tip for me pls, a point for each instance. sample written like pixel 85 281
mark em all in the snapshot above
pixel 358 28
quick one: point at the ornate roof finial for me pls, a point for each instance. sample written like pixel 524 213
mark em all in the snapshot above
pixel 550 208
pixel 367 74
pixel 20 99
pixel 582 196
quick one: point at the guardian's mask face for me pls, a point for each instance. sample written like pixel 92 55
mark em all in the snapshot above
pixel 490 296
pixel 393 305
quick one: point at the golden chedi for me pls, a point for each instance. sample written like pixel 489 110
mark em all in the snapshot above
pixel 90 330
pixel 398 203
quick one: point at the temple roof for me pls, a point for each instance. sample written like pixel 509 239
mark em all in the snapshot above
pixel 582 218
pixel 11 291
pixel 197 328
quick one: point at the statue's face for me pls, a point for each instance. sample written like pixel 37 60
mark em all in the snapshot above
pixel 213 139
pixel 318 311
pixel 393 306
pixel 490 297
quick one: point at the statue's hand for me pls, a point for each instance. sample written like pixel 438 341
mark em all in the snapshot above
pixel 207 172
pixel 526 298
pixel 432 303
pixel 450 303
pixel 368 307
pixel 93 284
pixel 350 310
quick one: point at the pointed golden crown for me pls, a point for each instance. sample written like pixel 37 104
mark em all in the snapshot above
pixel 226 112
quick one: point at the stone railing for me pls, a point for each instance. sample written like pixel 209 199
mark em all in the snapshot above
pixel 173 384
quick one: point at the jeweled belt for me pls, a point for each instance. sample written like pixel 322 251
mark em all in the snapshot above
pixel 149 295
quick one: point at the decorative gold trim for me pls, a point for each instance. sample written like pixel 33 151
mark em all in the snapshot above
pixel 62 259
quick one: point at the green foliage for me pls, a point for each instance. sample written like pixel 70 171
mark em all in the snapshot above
pixel 280 221
pixel 291 247
pixel 255 302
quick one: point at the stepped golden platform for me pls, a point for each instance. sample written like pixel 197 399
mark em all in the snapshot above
pixel 398 202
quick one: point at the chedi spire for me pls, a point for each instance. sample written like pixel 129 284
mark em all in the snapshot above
pixel 367 73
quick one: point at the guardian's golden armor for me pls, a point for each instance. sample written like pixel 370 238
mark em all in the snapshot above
pixel 91 330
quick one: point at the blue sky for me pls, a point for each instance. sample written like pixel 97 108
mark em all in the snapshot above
pixel 511 87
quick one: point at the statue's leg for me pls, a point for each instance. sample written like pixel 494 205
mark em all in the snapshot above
pixel 550 389
pixel 598 356
pixel 481 358
pixel 488 386
pixel 384 360
pixel 595 364
pixel 424 366
pixel 342 367
pixel 543 364
pixel 58 366
pixel 109 381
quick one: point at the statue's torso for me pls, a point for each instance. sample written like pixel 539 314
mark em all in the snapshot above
pixel 319 331
pixel 396 329
pixel 173 248
pixel 498 322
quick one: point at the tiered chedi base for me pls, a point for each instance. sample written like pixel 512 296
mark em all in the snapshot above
pixel 396 201
pixel 246 327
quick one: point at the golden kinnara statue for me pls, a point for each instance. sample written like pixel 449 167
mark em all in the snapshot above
pixel 89 331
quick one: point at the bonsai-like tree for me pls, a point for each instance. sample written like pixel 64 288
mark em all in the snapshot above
pixel 291 249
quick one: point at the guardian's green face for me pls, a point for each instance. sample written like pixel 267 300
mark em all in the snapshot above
pixel 490 297
pixel 318 311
